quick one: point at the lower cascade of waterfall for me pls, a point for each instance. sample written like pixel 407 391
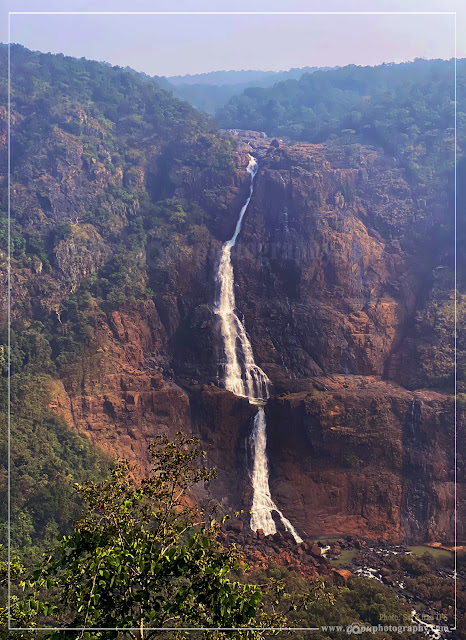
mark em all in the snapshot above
pixel 244 378
pixel 262 503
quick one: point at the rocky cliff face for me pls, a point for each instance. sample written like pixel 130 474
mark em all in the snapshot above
pixel 366 457
pixel 331 271
pixel 340 264
pixel 345 250
pixel 120 396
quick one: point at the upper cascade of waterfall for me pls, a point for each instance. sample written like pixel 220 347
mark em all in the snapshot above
pixel 252 170
pixel 241 374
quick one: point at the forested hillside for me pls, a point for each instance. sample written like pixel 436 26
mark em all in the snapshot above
pixel 407 109
pixel 342 276
pixel 102 162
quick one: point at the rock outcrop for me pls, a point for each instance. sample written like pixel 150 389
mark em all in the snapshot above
pixel 364 457
pixel 332 261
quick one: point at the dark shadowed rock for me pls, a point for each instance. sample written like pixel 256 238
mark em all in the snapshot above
pixel 235 525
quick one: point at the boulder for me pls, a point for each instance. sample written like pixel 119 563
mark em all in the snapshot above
pixel 235 525
pixel 340 576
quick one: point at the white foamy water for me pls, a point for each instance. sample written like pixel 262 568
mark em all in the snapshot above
pixel 244 378
pixel 369 572
pixel 262 503
pixel 431 630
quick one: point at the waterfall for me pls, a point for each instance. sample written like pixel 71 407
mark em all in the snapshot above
pixel 262 503
pixel 244 378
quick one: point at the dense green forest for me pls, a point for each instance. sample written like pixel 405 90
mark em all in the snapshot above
pixel 407 109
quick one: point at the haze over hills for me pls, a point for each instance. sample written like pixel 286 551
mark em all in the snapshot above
pixel 250 77
pixel 340 291
pixel 211 91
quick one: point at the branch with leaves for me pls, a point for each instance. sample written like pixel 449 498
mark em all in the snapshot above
pixel 141 558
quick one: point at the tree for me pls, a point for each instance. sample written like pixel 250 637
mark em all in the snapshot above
pixel 141 558
pixel 20 616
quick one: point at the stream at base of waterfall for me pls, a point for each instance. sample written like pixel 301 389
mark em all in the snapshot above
pixel 244 378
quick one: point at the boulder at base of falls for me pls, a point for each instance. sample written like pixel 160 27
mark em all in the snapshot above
pixel 235 525
pixel 340 577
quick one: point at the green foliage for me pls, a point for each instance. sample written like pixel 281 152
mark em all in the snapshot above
pixel 407 109
pixel 45 456
pixel 20 615
pixel 63 231
pixel 420 573
pixel 141 558
pixel 69 331
pixel 17 240
pixel 413 564
pixel 141 159
pixel 30 350
pixel 362 601
pixel 45 453
pixel 35 247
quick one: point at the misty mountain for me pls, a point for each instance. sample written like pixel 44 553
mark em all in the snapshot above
pixel 211 91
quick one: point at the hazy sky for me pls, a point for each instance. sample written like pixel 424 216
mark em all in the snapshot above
pixel 168 44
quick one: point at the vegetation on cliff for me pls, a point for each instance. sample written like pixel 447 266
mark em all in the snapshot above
pixel 362 602
pixel 103 164
pixel 407 109
pixel 44 454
